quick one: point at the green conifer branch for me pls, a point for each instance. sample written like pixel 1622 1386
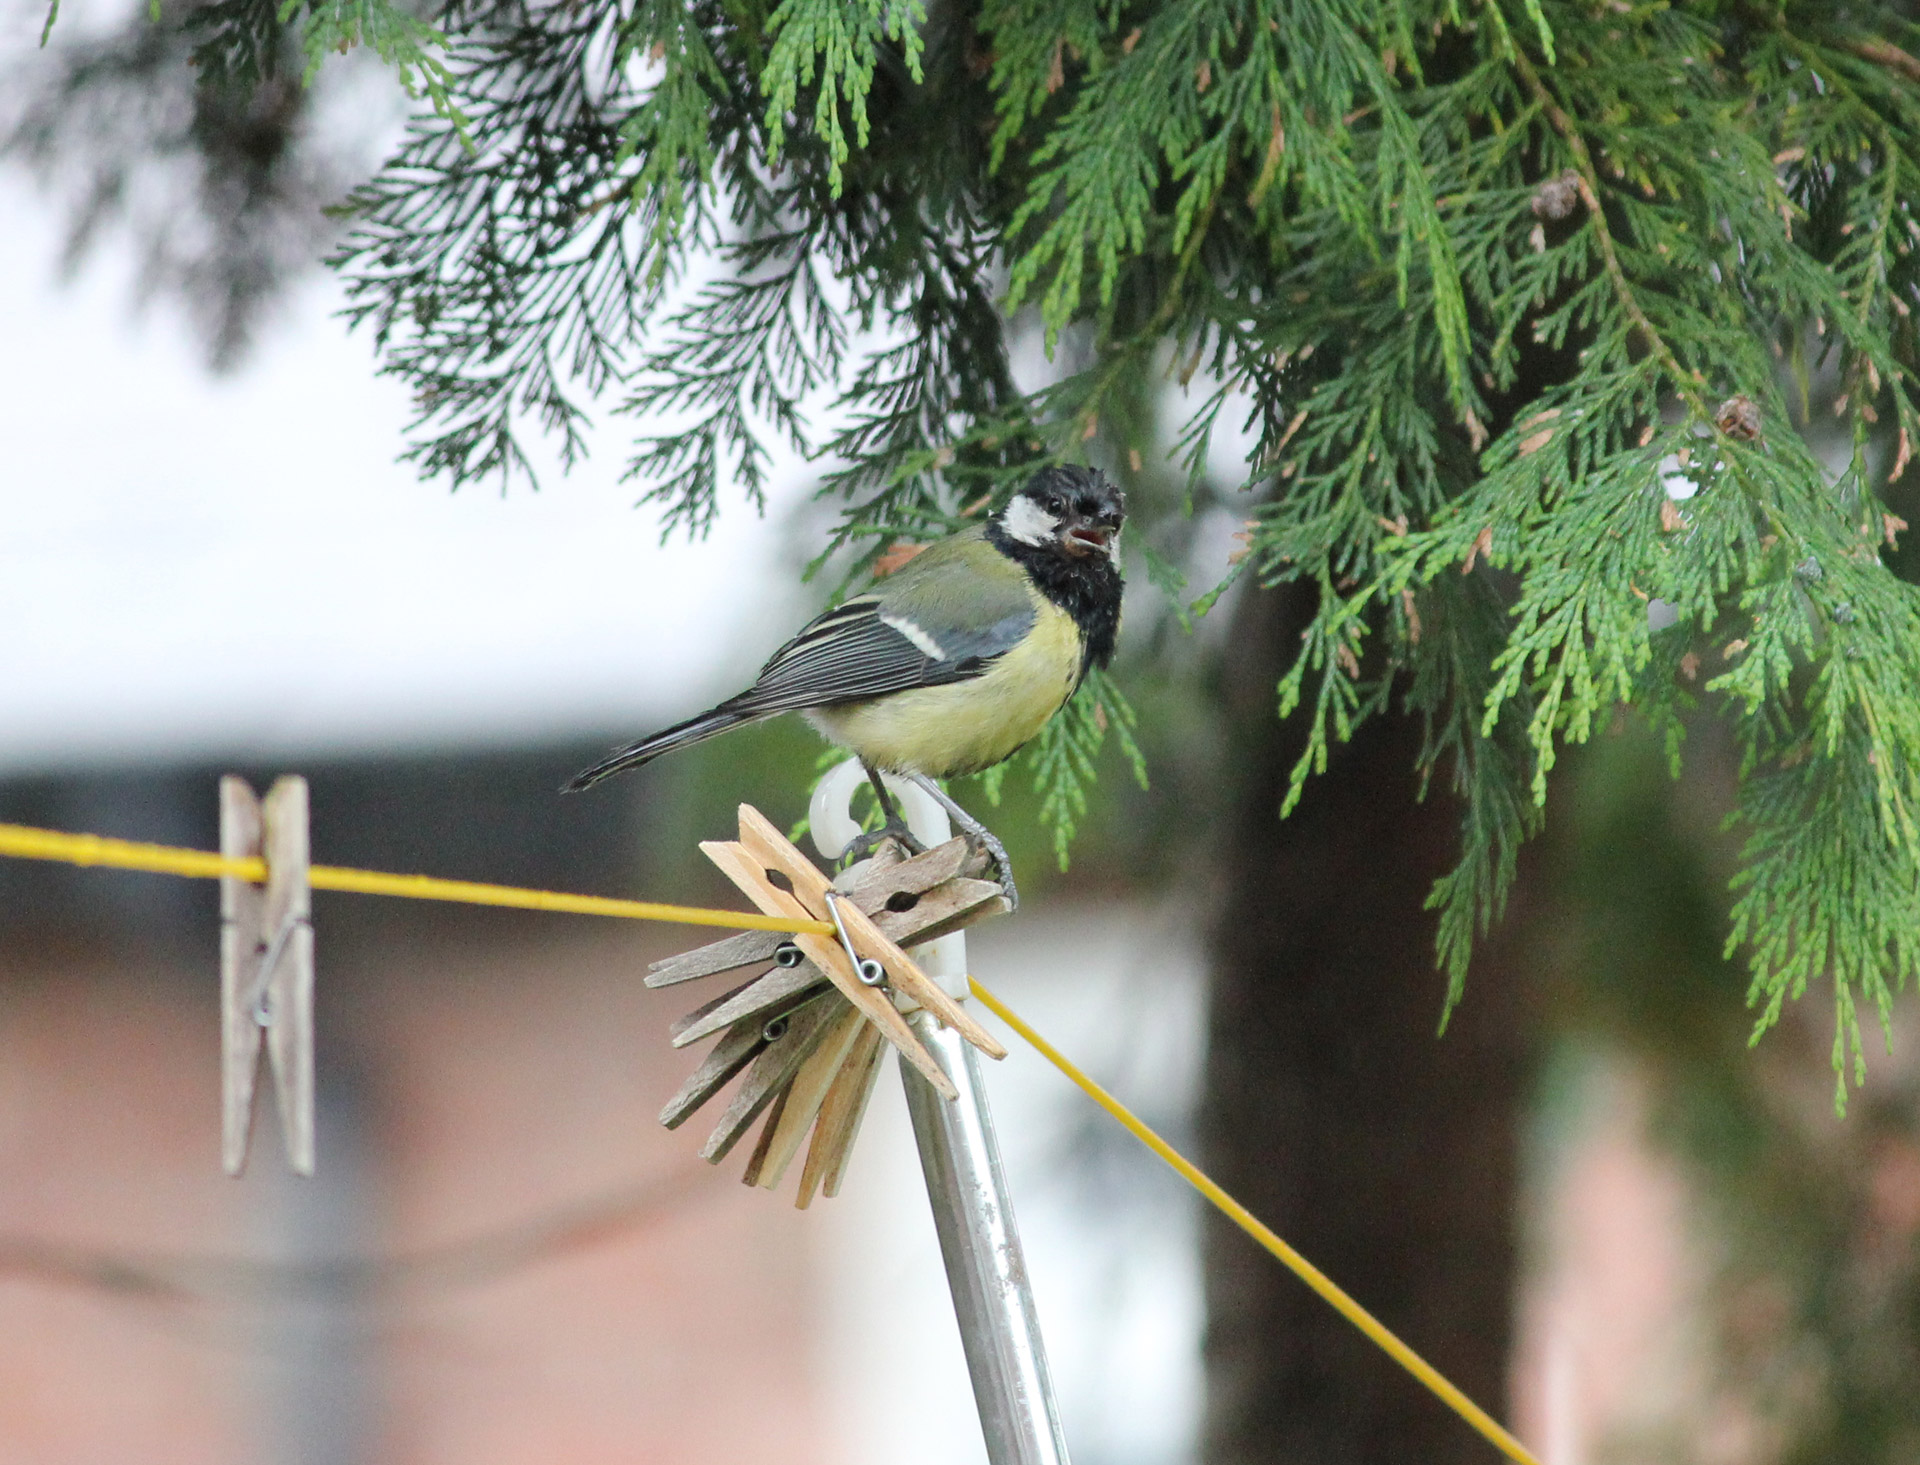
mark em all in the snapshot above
pixel 1518 301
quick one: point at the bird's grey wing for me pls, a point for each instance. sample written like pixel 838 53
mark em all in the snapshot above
pixel 863 648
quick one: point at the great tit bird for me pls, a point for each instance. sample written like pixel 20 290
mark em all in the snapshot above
pixel 952 663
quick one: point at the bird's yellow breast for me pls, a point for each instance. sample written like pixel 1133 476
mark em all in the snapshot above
pixel 964 727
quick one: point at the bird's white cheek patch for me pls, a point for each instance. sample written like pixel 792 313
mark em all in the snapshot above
pixel 914 634
pixel 1027 522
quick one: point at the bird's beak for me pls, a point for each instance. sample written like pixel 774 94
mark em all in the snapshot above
pixel 1086 539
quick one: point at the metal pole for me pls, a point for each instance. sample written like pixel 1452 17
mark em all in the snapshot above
pixel 985 1267
pixel 971 1209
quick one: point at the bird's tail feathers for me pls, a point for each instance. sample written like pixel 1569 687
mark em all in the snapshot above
pixel 680 735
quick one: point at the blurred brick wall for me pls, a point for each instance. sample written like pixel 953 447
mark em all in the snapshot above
pixel 573 1284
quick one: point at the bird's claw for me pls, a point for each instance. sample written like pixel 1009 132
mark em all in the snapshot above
pixel 983 838
pixel 978 835
pixel 865 845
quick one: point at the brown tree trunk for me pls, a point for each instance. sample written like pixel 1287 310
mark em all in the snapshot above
pixel 1384 1152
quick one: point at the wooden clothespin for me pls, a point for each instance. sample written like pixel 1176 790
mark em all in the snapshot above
pixel 266 968
pixel 808 1031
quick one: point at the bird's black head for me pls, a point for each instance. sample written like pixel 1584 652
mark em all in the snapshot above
pixel 1063 529
pixel 1073 511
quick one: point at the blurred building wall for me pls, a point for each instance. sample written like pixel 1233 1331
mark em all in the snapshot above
pixel 562 1280
pixel 503 1258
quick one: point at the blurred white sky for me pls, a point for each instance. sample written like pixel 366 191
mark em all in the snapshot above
pixel 192 566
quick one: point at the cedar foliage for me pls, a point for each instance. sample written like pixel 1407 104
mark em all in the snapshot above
pixel 1527 299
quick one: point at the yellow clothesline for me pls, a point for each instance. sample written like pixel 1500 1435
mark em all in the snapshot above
pixel 1305 1270
pixel 124 854
pixel 23 842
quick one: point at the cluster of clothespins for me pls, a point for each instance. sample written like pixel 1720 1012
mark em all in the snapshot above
pixel 807 1027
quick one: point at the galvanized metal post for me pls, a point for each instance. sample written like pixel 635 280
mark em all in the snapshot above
pixel 985 1267
pixel 972 1211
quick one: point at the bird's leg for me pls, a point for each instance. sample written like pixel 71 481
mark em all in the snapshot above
pixel 895 827
pixel 978 833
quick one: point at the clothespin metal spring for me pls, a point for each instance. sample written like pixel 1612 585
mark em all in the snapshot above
pixel 258 996
pixel 870 972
